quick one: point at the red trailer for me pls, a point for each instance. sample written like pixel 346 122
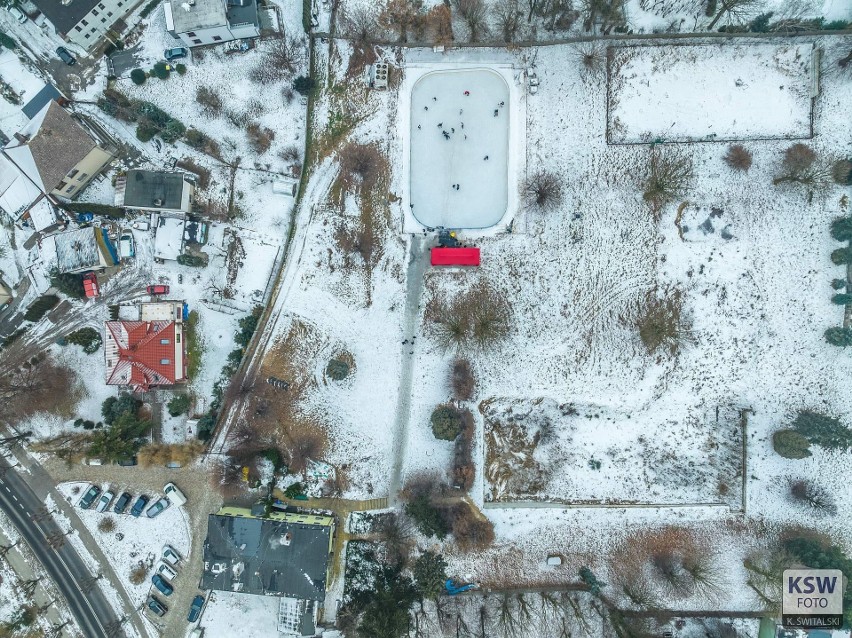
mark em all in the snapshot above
pixel 458 256
pixel 90 285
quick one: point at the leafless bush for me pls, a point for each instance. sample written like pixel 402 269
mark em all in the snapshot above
pixel 462 380
pixel 810 494
pixel 464 470
pixel 841 171
pixel 236 119
pixel 33 384
pixel 661 322
pixel 592 56
pixel 738 157
pixel 737 10
pixel 106 525
pixel 290 153
pixel 210 101
pixel 508 15
pixel 472 531
pixel 360 165
pixel 226 478
pixel 556 14
pixel 542 192
pixel 304 442
pixel 479 317
pixel 438 24
pixel 138 574
pixel 288 94
pixel 800 165
pixel 260 138
pixel 606 14
pixel 401 16
pixel 668 175
pixel 284 57
pixel 765 570
pixel 473 13
pixel 360 25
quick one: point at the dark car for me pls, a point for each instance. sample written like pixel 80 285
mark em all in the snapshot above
pixel 162 584
pixel 90 496
pixel 122 503
pixel 175 53
pixel 139 505
pixel 195 608
pixel 157 290
pixel 155 605
pixel 66 56
pixel 128 461
pixel 85 216
pixel 157 508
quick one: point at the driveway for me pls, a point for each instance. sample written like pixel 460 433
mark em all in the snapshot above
pixel 123 62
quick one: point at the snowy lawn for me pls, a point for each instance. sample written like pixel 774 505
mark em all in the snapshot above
pixel 229 614
pixel 709 92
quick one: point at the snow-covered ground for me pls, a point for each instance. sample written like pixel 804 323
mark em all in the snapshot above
pixel 660 93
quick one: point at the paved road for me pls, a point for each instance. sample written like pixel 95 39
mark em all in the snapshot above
pixel 91 610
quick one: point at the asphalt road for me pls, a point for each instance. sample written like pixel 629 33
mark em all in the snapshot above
pixel 93 613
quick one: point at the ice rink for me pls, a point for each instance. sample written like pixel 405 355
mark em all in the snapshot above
pixel 459 148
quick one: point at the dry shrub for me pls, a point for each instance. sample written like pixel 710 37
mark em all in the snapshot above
pixel 473 12
pixel 163 453
pixel 800 165
pixel 285 56
pixel 667 177
pixel 542 192
pixel 841 171
pixel 592 58
pixel 360 166
pixel 400 17
pixel 106 525
pixel 812 495
pixel 226 478
pixel 138 574
pixel 188 164
pixel 210 101
pixel 290 153
pixel 396 533
pixel 472 531
pixel 509 18
pixel 462 380
pixel 478 318
pixel 738 157
pixel 661 322
pixel 464 471
pixel 438 23
pixel 34 384
pixel 304 440
pixel 260 138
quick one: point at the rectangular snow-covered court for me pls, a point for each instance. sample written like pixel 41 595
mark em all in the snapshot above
pixel 708 93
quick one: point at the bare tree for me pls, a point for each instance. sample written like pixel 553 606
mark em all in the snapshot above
pixel 360 24
pixel 737 10
pixel 592 56
pixel 401 16
pixel 811 494
pixel 473 13
pixel 360 165
pixel 542 192
pixel 462 380
pixel 395 532
pixel 508 15
pixel 284 57
pixel 606 13
pixel 800 165
pixel 667 177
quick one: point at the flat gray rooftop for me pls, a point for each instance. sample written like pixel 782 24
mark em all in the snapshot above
pixel 153 189
pixel 201 15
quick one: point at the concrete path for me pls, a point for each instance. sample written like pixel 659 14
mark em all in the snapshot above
pixel 417 254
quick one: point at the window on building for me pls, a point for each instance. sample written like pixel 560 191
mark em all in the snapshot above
pixel 70 188
pixel 94 12
pixel 88 35
pixel 84 23
pixel 109 13
pixel 191 34
pixel 216 38
pixel 196 41
pixel 61 185
pixel 73 172
pixel 82 177
pixel 78 28
pixel 177 338
pixel 101 6
pixel 164 342
pixel 103 19
pixel 164 362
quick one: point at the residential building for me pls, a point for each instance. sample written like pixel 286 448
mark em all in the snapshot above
pixel 156 191
pixel 200 22
pixel 276 554
pixel 147 352
pixel 86 22
pixel 41 99
pixel 57 153
pixel 79 250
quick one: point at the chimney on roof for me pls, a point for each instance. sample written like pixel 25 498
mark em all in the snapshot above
pixel 23 139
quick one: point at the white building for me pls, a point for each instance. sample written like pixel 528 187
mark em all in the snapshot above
pixel 200 22
pixel 86 22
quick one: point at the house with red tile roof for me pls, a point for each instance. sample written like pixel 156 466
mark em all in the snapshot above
pixel 146 353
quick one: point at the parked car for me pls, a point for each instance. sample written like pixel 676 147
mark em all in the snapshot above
pixel 162 584
pixel 106 499
pixel 66 56
pixel 155 605
pixel 122 503
pixel 139 505
pixel 175 53
pixel 197 632
pixel 195 608
pixel 128 462
pixel 89 497
pixel 90 285
pixel 85 217
pixel 18 14
pixel 174 494
pixel 126 247
pixel 170 555
pixel 157 508
pixel 165 571
pixel 158 289
pixel 141 224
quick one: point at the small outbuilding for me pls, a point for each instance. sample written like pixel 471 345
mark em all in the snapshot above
pixel 459 256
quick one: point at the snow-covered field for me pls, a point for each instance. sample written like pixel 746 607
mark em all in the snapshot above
pixel 660 93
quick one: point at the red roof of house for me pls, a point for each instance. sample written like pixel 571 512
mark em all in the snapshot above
pixel 455 256
pixel 90 286
pixel 142 353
